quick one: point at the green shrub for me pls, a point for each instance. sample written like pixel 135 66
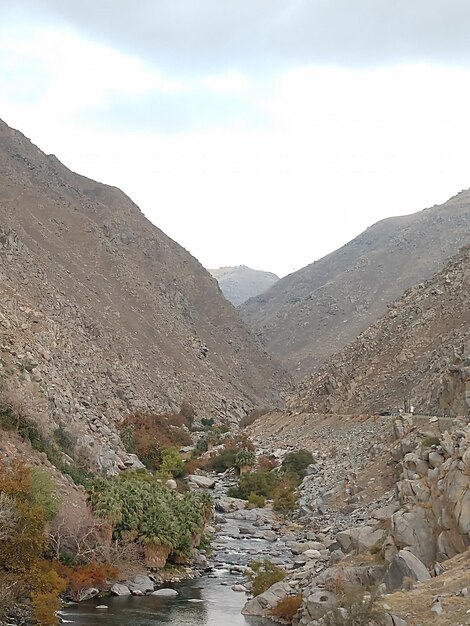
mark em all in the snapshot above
pixel 263 575
pixel 297 462
pixel 224 460
pixel 207 422
pixel 430 441
pixel 43 493
pixel 284 500
pixel 259 483
pixel 172 463
pixel 256 501
pixel 245 458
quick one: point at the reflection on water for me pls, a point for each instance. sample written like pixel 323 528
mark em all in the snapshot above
pixel 202 601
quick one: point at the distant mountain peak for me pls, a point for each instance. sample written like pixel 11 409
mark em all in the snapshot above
pixel 240 283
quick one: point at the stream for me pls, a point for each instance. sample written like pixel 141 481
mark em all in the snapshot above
pixel 208 600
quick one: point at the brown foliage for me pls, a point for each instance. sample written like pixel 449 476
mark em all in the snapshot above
pixel 147 435
pixel 287 608
pixel 26 402
pixel 82 577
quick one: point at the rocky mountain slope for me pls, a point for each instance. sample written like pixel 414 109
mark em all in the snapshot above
pixel 240 283
pixel 103 315
pixel 313 313
pixel 418 352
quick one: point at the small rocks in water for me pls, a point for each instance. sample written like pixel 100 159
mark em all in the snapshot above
pixel 239 588
pixel 101 606
pixel 166 593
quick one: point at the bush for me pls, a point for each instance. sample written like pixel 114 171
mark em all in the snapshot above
pixel 263 575
pixel 256 500
pixel 172 463
pixel 297 462
pixel 43 493
pixel 430 441
pixel 284 500
pixel 245 458
pixel 224 460
pixel 359 611
pixel 287 608
pixel 259 483
pixel 147 435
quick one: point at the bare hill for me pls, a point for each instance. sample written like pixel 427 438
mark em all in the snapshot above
pixel 316 311
pixel 418 352
pixel 240 283
pixel 105 315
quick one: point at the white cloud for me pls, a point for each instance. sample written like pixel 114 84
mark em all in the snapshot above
pixel 333 150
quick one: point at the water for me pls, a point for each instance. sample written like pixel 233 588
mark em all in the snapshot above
pixel 201 602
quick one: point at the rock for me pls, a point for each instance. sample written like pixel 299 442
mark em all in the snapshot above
pixel 171 484
pixel 414 529
pixel 120 590
pixel 312 554
pixel 205 482
pixel 262 605
pixel 88 594
pixel 238 588
pixel 165 593
pixel 393 620
pixel 319 602
pixel 361 539
pixel 101 606
pixel 141 583
pixel 227 505
pixel 404 565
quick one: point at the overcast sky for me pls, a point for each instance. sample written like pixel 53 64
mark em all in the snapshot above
pixel 258 132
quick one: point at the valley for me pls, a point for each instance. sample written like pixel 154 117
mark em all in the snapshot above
pixel 163 456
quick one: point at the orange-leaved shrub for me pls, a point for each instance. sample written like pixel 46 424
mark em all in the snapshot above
pixel 287 608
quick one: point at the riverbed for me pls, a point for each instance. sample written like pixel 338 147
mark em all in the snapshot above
pixel 209 600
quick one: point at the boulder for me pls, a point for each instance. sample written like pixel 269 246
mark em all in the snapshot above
pixel 165 593
pixel 319 602
pixel 262 605
pixel 205 482
pixel 360 539
pixel 227 504
pixel 120 590
pixel 141 583
pixel 415 530
pixel 404 565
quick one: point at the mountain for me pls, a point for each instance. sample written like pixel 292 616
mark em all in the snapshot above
pixel 105 316
pixel 241 282
pixel 314 312
pixel 418 353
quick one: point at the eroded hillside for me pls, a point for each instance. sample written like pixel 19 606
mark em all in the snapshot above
pixel 417 353
pixel 104 315
pixel 313 313
pixel 241 282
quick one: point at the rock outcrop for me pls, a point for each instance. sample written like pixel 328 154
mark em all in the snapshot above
pixel 417 355
pixel 314 312
pixel 103 315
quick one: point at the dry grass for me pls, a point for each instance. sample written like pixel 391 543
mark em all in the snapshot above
pixel 415 606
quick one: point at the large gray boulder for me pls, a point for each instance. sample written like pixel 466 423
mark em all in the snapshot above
pixel 360 539
pixel 262 605
pixel 404 565
pixel 120 590
pixel 205 482
pixel 141 584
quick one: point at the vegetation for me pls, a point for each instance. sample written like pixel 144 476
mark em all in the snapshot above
pixel 263 574
pixel 255 501
pixel 284 499
pixel 136 505
pixel 297 462
pixel 430 441
pixel 259 483
pixel 24 568
pixel 252 416
pixel 286 608
pixel 355 610
pixel 148 435
pixel 245 458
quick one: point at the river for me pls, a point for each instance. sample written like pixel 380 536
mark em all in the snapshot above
pixel 205 601
pixel 202 601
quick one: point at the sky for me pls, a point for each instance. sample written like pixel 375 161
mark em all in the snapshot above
pixel 259 132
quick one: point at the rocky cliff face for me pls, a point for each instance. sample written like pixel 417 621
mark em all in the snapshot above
pixel 103 315
pixel 417 353
pixel 240 283
pixel 315 312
